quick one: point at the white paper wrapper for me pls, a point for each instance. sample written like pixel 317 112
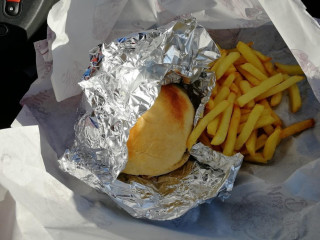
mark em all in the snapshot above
pixel 278 201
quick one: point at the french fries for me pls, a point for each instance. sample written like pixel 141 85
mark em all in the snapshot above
pixel 263 58
pixel 260 142
pixel 260 89
pixel 280 87
pixel 216 64
pixel 213 126
pixel 249 126
pixel 250 56
pixel 268 129
pixel 257 158
pixel 239 115
pixel 253 80
pixel 232 132
pixel 245 87
pixel 271 144
pixel 221 133
pixel 296 128
pixel 265 103
pixel 251 143
pixel 295 98
pixel 226 63
pixel 269 68
pixel 229 80
pixel 223 94
pixel 263 121
pixel 289 69
pixel 254 71
pixel 203 123
pixel 276 99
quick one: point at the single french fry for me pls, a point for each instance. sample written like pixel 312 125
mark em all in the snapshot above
pixel 245 110
pixel 261 140
pixel 251 143
pixel 265 103
pixel 209 104
pixel 276 99
pixel 226 63
pixel 260 89
pixel 215 90
pixel 234 88
pixel 290 69
pixel 205 140
pixel 213 126
pixel 245 87
pixel 222 131
pixel 236 50
pixel 222 94
pixel 203 123
pixel 244 117
pixel 254 71
pixel 238 78
pixel 269 68
pixel 294 98
pixel 253 80
pixel 232 132
pixel 229 80
pixel 271 144
pixel 285 76
pixel 230 70
pixel 239 61
pixel 297 128
pixel 238 94
pixel 249 126
pixel 217 62
pixel 263 121
pixel 250 56
pixel 222 80
pixel 268 129
pixel 257 158
pixel 263 58
pixel 282 86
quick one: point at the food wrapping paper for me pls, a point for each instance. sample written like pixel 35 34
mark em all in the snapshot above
pixel 122 82
pixel 278 201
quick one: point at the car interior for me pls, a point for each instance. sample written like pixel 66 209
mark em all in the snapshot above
pixel 22 23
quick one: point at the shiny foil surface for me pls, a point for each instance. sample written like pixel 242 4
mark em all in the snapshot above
pixel 122 82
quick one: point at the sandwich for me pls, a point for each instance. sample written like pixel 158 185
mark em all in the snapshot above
pixel 158 141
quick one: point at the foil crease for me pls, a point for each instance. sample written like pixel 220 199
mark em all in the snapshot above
pixel 122 82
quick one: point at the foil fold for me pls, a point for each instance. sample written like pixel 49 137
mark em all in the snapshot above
pixel 122 82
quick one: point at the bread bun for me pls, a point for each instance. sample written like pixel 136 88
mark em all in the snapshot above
pixel 157 142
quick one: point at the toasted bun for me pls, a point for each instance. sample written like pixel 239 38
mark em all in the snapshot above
pixel 157 142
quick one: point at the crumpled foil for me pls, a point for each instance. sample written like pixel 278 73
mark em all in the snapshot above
pixel 122 82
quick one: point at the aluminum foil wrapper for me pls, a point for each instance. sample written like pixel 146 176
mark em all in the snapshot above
pixel 121 83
